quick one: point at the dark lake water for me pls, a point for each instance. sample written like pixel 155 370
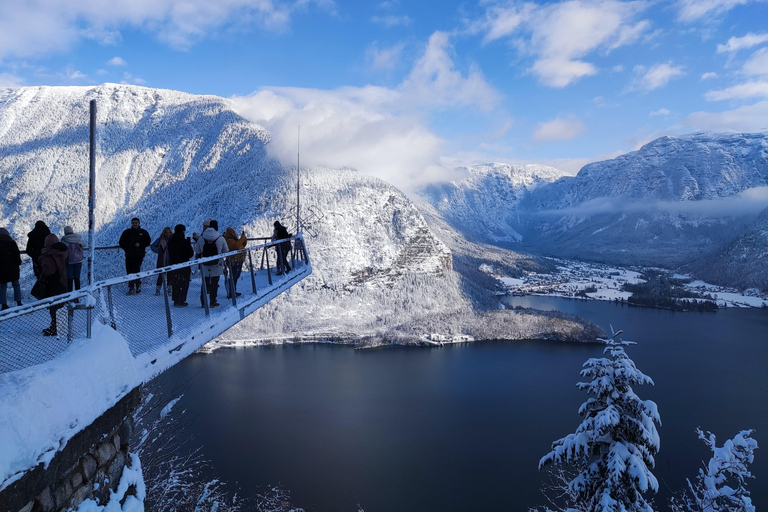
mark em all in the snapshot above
pixel 462 428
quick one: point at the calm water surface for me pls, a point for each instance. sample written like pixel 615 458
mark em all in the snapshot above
pixel 462 428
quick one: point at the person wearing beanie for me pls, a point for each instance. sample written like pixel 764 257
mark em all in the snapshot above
pixel 10 263
pixel 53 276
pixel 134 241
pixel 211 243
pixel 236 260
pixel 75 257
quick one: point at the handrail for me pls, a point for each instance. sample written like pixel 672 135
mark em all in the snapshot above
pixel 109 247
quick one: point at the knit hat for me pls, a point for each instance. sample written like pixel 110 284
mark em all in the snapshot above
pixel 51 240
pixel 230 233
pixel 4 231
pixel 214 224
pixel 68 230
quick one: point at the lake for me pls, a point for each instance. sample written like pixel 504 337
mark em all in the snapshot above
pixel 462 428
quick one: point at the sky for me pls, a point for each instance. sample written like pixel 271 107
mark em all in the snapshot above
pixel 407 91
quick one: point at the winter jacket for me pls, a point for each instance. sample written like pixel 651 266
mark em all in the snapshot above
pixel 36 240
pixel 235 244
pixel 73 238
pixel 10 258
pixel 160 246
pixel 211 235
pixel 53 268
pixel 130 238
pixel 179 249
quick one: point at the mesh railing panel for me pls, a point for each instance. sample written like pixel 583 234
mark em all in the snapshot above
pixel 141 318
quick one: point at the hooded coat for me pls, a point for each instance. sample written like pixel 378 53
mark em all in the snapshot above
pixel 211 235
pixel 10 258
pixel 235 244
pixel 36 240
pixel 53 267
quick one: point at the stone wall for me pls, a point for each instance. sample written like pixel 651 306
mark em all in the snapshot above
pixel 89 466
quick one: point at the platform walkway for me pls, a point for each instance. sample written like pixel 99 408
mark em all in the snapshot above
pixel 158 333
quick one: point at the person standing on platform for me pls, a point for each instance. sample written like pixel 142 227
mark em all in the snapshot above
pixel 10 262
pixel 179 251
pixel 236 260
pixel 75 257
pixel 211 243
pixel 36 242
pixel 160 247
pixel 134 242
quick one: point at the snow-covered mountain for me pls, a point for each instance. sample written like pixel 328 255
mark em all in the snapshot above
pixel 478 202
pixel 670 201
pixel 170 157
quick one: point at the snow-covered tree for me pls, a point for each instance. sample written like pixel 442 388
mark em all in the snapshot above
pixel 612 451
pixel 720 487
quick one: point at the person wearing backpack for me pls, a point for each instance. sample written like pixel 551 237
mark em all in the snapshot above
pixel 53 276
pixel 211 243
pixel 134 242
pixel 10 261
pixel 75 257
pixel 235 261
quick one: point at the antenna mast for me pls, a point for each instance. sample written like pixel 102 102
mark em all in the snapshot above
pixel 298 180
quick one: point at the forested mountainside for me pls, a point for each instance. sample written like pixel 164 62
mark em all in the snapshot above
pixel 742 263
pixel 170 157
pixel 669 202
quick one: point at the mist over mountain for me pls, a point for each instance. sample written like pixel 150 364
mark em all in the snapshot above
pixel 665 204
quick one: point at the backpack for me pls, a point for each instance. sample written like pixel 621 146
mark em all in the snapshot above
pixel 210 249
pixel 75 253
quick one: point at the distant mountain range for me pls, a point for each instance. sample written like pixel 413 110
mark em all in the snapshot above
pixel 668 203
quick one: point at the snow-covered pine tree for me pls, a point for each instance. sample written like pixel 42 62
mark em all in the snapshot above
pixel 722 487
pixel 613 449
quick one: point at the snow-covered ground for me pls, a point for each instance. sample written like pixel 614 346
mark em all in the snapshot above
pixel 573 277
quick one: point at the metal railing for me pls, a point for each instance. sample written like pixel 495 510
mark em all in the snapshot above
pixel 38 331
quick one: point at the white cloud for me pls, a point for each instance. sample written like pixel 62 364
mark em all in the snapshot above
pixel 391 20
pixel 384 58
pixel 73 74
pixel 735 44
pixel 10 80
pixel 128 78
pixel 558 129
pixel 757 64
pixel 657 76
pixel 660 112
pixel 102 72
pixel 45 26
pixel 618 68
pixel 117 61
pixel 748 118
pixel 709 75
pixel 746 90
pixel 380 131
pixel 693 10
pixel 564 34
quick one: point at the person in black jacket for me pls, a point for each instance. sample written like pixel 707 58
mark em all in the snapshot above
pixel 36 242
pixel 134 241
pixel 10 261
pixel 281 233
pixel 179 251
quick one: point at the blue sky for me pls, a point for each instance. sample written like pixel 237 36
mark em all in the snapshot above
pixel 407 90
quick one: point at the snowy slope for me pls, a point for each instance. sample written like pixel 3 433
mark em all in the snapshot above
pixel 670 201
pixel 482 203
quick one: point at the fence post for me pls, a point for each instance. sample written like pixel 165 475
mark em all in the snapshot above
pixel 111 306
pixel 269 273
pixel 167 305
pixel 204 289
pixel 231 279
pixel 253 277
pixel 70 322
